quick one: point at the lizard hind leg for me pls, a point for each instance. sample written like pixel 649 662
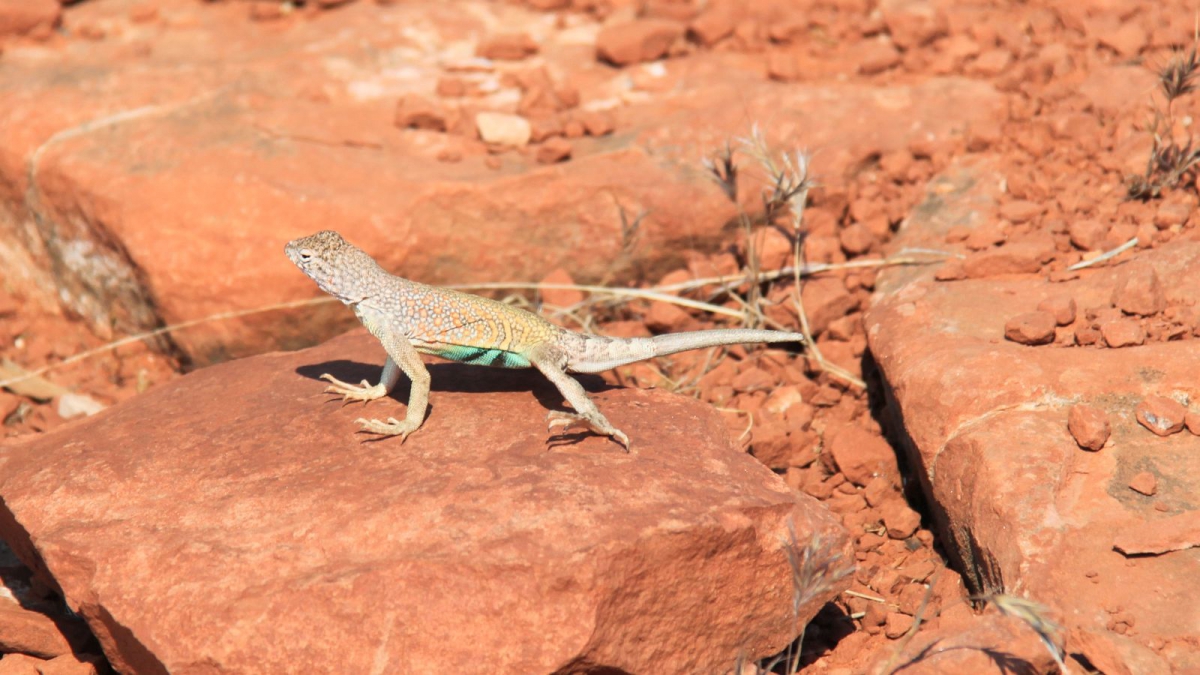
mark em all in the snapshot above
pixel 586 414
pixel 601 426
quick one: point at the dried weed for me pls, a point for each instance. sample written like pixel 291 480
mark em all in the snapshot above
pixel 1173 156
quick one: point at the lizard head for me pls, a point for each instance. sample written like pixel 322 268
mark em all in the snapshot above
pixel 339 268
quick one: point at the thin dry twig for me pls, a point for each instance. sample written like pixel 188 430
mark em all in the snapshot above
pixel 1107 255
pixel 663 293
pixel 623 292
pixel 864 596
pixel 161 331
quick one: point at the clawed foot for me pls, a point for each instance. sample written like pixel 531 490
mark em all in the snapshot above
pixel 392 427
pixel 363 392
pixel 565 420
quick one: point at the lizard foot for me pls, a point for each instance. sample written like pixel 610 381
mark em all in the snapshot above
pixel 566 420
pixel 363 392
pixel 392 427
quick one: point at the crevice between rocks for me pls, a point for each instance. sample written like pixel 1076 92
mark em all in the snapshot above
pixel 957 544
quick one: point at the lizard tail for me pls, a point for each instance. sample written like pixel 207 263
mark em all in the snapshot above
pixel 605 353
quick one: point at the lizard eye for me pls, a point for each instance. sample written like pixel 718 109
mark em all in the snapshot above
pixel 305 255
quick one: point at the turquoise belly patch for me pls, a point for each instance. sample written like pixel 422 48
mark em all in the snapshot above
pixel 477 356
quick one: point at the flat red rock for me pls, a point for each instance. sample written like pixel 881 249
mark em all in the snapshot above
pixel 233 521
pixel 983 420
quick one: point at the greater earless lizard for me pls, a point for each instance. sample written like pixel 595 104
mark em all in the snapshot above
pixel 411 319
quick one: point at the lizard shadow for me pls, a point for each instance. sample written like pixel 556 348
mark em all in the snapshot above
pixel 462 378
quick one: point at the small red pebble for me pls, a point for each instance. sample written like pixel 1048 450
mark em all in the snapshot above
pixel 1171 214
pixel 951 270
pixel 1021 210
pixel 900 520
pixel 1089 426
pixel 875 617
pixel 1161 415
pixel 1192 422
pixel 876 56
pixel 1145 483
pixel 1139 291
pixel 574 129
pixel 1087 336
pixel 713 25
pixel 856 239
pixel 860 455
pixel 637 41
pixel 507 47
pixel 595 123
pixel 449 155
pixel 1031 328
pixel 1087 234
pixel 554 150
pixel 1062 307
pixel 415 112
pixel 897 624
pixel 1122 333
pixel 451 87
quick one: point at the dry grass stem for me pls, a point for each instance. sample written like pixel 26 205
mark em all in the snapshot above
pixel 1107 255
pixel 864 596
pixel 223 316
pixel 1036 616
pixel 645 294
pixel 816 569
pixel 908 636
pixel 789 183
pixel 1171 158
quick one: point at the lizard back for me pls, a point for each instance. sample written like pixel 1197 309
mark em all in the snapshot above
pixel 464 327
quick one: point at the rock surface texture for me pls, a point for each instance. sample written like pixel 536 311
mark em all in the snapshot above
pixel 1024 508
pixel 232 521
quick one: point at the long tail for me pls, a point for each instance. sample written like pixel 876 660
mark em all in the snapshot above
pixel 604 353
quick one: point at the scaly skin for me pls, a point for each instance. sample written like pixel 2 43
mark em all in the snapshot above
pixel 411 319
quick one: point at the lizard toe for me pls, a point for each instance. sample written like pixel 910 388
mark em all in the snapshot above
pixel 556 419
pixel 620 437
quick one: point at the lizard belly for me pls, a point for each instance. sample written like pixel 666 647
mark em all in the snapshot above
pixel 476 356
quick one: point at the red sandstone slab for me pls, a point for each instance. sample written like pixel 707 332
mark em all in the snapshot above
pixel 986 420
pixel 232 521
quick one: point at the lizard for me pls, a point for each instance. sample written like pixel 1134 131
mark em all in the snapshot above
pixel 410 318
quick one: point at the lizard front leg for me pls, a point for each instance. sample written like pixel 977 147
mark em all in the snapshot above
pixel 365 392
pixel 402 356
pixel 586 414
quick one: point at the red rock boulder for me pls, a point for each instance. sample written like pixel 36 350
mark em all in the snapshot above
pixel 233 521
